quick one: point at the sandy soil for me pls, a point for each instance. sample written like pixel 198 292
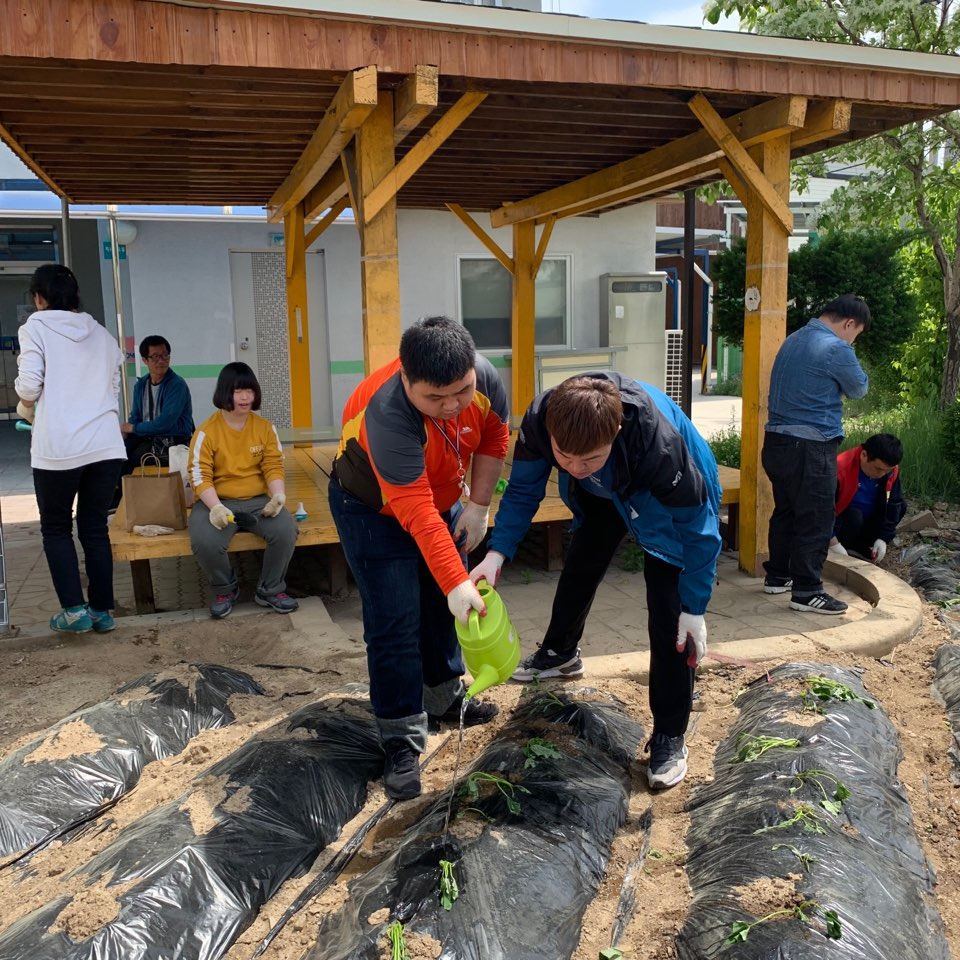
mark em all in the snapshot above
pixel 46 681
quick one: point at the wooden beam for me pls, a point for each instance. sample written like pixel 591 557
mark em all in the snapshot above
pixel 545 235
pixel 11 141
pixel 379 262
pixel 352 104
pixel 298 327
pixel 481 235
pixel 329 217
pixel 523 320
pixel 825 119
pixel 387 188
pixel 351 179
pixel 741 161
pixel 416 98
pixel 768 120
pixel 764 332
pixel 736 183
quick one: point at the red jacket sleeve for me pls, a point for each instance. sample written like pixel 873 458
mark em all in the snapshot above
pixel 495 439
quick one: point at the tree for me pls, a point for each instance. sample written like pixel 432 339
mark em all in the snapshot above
pixel 912 176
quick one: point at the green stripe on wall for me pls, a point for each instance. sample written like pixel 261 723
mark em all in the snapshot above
pixel 189 371
pixel 346 366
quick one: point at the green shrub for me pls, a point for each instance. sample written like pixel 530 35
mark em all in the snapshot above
pixel 726 447
pixel 950 436
pixel 731 387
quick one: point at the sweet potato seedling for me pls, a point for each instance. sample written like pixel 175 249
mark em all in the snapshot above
pixel 611 953
pixel 449 891
pixel 824 690
pixel 753 747
pixel 805 858
pixel 804 816
pixel 471 789
pixel 398 947
pixel 831 802
pixel 804 912
pixel 537 749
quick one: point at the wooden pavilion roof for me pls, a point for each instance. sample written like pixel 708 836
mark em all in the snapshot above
pixel 144 101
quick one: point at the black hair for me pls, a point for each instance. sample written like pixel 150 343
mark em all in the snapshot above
pixel 235 376
pixel 885 447
pixel 437 350
pixel 57 285
pixel 848 307
pixel 153 341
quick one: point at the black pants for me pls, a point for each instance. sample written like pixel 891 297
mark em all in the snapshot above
pixel 856 532
pixel 804 478
pixel 92 486
pixel 592 548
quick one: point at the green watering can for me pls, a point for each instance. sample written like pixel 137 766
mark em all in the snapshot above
pixel 491 647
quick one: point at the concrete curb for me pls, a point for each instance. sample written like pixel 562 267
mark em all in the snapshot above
pixel 896 617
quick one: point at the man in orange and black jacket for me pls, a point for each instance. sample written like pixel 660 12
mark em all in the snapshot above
pixel 869 502
pixel 414 433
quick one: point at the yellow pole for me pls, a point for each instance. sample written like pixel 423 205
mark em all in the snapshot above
pixel 298 330
pixel 523 318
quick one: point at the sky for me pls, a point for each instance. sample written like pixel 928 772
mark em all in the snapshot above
pixel 679 12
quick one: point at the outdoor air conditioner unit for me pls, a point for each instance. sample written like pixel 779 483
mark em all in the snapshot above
pixel 632 321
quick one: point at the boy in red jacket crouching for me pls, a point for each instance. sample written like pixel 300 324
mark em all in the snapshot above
pixel 869 502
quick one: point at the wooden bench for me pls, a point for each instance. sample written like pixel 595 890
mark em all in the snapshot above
pixel 730 482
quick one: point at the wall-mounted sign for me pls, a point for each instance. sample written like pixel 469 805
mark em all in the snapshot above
pixel 108 251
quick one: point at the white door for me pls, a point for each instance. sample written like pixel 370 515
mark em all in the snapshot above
pixel 260 319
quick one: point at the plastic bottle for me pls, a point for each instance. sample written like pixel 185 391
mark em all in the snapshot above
pixel 301 513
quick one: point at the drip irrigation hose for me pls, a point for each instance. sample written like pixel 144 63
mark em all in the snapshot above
pixel 337 864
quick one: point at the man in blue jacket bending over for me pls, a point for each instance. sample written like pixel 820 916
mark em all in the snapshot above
pixel 629 462
pixel 162 414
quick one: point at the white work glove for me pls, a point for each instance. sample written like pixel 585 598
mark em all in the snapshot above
pixel 26 413
pixel 488 568
pixel 473 521
pixel 879 550
pixel 274 505
pixel 463 598
pixel 839 548
pixel 220 516
pixel 693 627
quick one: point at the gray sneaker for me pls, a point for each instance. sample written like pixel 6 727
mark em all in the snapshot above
pixel 281 602
pixel 668 761
pixel 223 603
pixel 545 664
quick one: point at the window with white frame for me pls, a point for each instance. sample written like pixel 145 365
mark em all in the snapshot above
pixel 485 302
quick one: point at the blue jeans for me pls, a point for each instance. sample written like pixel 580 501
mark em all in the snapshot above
pixel 412 652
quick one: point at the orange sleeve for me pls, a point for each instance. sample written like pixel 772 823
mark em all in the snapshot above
pixel 413 506
pixel 495 439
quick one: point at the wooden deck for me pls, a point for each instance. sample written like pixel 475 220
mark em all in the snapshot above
pixel 308 472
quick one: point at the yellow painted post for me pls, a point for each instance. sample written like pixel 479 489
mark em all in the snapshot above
pixel 765 326
pixel 379 261
pixel 298 329
pixel 523 319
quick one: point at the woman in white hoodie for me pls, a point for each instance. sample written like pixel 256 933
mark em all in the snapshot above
pixel 69 387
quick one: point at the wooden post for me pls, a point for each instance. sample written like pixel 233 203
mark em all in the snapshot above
pixel 523 319
pixel 298 330
pixel 765 326
pixel 379 261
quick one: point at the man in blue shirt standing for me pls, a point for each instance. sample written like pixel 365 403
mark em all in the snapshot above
pixel 814 370
pixel 629 463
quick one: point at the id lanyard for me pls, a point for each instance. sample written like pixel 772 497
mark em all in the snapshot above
pixel 455 447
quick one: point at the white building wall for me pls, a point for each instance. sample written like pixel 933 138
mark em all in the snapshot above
pixel 180 281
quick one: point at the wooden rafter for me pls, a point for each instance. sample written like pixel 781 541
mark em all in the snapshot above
pixel 352 104
pixel 387 188
pixel 11 141
pixel 329 217
pixel 741 161
pixel 687 155
pixel 825 119
pixel 482 235
pixel 416 98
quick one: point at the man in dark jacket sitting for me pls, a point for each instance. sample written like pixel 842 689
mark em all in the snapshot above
pixel 162 414
pixel 869 501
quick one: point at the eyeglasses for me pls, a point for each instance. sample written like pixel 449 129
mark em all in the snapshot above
pixel 158 357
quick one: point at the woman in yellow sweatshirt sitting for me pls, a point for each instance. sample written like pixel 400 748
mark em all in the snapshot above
pixel 236 468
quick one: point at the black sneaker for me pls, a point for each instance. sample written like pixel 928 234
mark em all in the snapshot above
pixel 223 604
pixel 819 603
pixel 478 711
pixel 281 602
pixel 545 664
pixel 777 584
pixel 668 761
pixel 401 772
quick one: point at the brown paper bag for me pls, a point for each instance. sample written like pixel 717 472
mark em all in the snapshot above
pixel 154 498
